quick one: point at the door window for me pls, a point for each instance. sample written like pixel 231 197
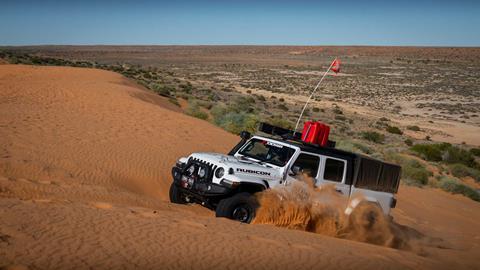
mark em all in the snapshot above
pixel 334 169
pixel 308 164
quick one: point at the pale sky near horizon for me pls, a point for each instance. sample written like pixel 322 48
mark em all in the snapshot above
pixel 128 22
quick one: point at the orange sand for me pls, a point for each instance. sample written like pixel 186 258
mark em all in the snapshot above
pixel 85 158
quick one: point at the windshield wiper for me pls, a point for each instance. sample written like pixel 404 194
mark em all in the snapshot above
pixel 254 159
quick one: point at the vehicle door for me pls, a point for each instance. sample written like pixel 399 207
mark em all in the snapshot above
pixel 333 171
pixel 306 167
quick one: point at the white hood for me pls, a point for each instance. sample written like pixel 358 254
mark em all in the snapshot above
pixel 243 169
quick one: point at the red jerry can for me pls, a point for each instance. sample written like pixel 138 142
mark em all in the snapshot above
pixel 315 133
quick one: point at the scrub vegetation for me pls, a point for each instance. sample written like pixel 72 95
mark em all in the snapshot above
pixel 236 95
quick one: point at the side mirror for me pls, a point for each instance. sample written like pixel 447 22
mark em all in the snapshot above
pixel 294 170
pixel 245 135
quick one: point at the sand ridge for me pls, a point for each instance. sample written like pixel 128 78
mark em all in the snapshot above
pixel 85 160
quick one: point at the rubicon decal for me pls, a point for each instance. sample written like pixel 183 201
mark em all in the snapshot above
pixel 253 171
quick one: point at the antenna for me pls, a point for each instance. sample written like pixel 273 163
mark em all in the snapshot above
pixel 313 92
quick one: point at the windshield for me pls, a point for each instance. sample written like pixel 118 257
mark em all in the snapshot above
pixel 266 151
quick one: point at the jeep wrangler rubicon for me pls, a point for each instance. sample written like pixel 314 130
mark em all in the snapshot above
pixel 227 183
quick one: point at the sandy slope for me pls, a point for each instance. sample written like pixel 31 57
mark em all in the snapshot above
pixel 85 161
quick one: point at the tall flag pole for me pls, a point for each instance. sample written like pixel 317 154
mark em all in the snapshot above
pixel 335 67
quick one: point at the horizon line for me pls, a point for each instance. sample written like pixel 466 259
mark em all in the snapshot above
pixel 238 45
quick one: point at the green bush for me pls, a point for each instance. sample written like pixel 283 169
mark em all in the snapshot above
pixel 234 121
pixel 242 104
pixel 455 154
pixel 281 122
pixel 475 151
pixel 430 152
pixel 174 101
pixel 413 128
pixel 187 87
pixel 408 142
pixel 373 136
pixel 413 172
pixel 460 170
pixel 194 110
pixel 394 130
pixel 445 152
pixel 352 146
pixel 456 187
pixel 161 90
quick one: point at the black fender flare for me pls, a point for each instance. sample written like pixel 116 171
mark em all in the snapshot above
pixel 251 187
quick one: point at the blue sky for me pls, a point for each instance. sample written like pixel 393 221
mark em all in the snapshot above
pixel 414 23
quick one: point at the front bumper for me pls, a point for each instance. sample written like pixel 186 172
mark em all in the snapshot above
pixel 203 192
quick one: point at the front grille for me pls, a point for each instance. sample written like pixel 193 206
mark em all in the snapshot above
pixel 209 166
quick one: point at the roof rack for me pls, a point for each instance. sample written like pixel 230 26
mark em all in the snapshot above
pixel 287 134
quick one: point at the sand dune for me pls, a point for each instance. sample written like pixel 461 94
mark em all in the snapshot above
pixel 60 124
pixel 85 159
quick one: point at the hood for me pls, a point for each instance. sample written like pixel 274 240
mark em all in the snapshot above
pixel 240 167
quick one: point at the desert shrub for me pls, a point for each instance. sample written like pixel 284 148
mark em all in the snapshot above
pixel 365 149
pixel 460 170
pixel 205 104
pixel 195 111
pixel 456 187
pixel 431 152
pixel 394 130
pixel 282 107
pixel 281 122
pixel 445 152
pixel 315 109
pixel 242 104
pixel 373 136
pixel 340 117
pixel 413 172
pixel 413 128
pixel 455 154
pixel 232 120
pixel 174 101
pixel 249 91
pixel 161 90
pixel 281 99
pixel 408 142
pixel 337 110
pixel 352 146
pixel 475 151
pixel 260 97
pixel 187 87
pixel 384 119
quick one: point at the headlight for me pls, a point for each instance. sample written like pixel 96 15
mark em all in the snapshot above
pixel 201 172
pixel 191 170
pixel 219 172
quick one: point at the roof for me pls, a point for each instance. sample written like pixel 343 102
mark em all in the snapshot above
pixel 313 148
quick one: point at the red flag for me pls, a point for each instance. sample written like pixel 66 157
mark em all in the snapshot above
pixel 336 66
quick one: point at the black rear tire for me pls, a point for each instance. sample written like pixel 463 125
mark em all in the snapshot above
pixel 176 195
pixel 241 207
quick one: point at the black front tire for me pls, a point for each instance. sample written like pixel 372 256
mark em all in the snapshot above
pixel 176 195
pixel 241 207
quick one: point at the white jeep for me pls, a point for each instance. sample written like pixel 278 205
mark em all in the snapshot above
pixel 226 183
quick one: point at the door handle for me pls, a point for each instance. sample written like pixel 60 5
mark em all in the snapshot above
pixel 339 191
